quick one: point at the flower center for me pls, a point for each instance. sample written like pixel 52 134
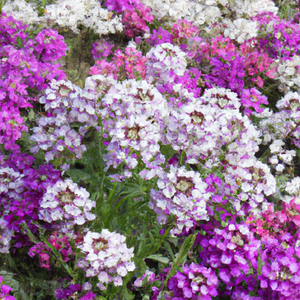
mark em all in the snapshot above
pixel 184 185
pixel 132 133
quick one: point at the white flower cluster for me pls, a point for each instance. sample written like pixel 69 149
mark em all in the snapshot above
pixel 284 122
pixel 288 73
pixel 5 237
pixel 108 257
pixel 164 61
pixel 97 86
pixel 65 104
pixel 205 11
pixel 66 202
pixel 252 7
pixel 67 13
pixel 72 13
pixel 182 194
pixel 279 153
pixel 289 101
pixel 168 10
pixel 203 126
pixel 133 116
pixel 252 182
pixel 240 29
pixel 293 187
pixel 10 181
pixel 21 11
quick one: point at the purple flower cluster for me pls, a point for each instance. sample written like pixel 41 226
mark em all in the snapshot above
pixel 281 272
pixel 101 49
pixel 192 282
pixel 4 291
pixel 75 290
pixel 232 251
pixel 21 190
pixel 278 37
pixel 135 15
pixel 24 64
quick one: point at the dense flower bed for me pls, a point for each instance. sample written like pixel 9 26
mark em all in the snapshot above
pixel 171 170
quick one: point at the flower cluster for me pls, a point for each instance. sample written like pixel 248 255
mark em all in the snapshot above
pixel 5 236
pixel 122 66
pixel 191 126
pixel 231 251
pixel 285 122
pixel 133 117
pixel 4 291
pixel 65 104
pixel 164 62
pixel 68 203
pixel 25 64
pixel 182 194
pixel 21 190
pixel 87 13
pixel 61 245
pixel 192 281
pixel 135 15
pixel 240 29
pixel 22 11
pixel 279 37
pixel 107 257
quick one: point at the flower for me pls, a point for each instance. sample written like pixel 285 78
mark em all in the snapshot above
pixel 107 257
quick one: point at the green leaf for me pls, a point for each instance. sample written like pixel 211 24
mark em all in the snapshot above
pixel 18 291
pixel 28 232
pixel 59 257
pixel 259 262
pixel 181 157
pixel 19 42
pixel 79 175
pixel 159 257
pixel 126 295
pixel 186 246
pixel 31 115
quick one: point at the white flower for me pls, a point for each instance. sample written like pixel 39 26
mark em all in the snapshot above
pixel 276 146
pixel 279 168
pixel 293 187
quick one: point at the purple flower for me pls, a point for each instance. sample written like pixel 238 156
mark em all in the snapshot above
pixel 88 296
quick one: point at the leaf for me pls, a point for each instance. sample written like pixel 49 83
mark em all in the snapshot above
pixel 79 175
pixel 181 157
pixel 158 257
pixel 259 262
pixel 59 257
pixel 28 232
pixel 186 246
pixel 126 295
pixel 19 42
pixel 18 291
